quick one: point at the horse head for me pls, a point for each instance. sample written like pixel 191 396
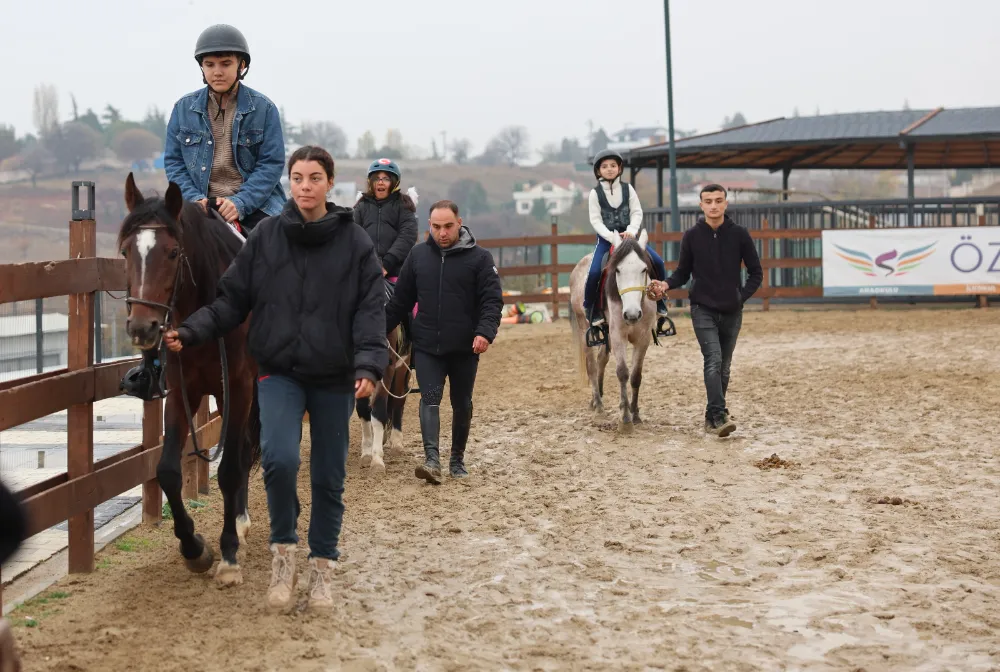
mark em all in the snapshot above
pixel 151 240
pixel 629 271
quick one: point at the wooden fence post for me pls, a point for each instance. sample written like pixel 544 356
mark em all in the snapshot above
pixel 201 419
pixel 152 435
pixel 554 248
pixel 765 254
pixel 872 301
pixel 80 417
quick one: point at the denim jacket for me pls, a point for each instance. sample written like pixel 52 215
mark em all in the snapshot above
pixel 258 146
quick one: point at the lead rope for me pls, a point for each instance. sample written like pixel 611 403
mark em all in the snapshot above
pixel 409 389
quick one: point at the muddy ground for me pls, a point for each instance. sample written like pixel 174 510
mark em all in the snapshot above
pixel 852 522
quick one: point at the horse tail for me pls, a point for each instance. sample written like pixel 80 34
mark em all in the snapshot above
pixel 578 345
pixel 252 428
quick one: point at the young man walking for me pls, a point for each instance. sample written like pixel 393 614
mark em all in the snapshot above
pixel 458 289
pixel 224 142
pixel 712 251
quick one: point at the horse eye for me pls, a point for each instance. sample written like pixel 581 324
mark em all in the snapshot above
pixel 173 253
pixel 124 252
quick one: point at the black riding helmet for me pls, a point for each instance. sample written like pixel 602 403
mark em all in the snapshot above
pixel 223 39
pixel 607 154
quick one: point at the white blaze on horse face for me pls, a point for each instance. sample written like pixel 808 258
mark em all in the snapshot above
pixel 145 241
pixel 632 273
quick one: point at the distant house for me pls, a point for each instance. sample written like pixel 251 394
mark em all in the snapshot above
pixel 18 342
pixel 690 195
pixel 628 138
pixel 558 196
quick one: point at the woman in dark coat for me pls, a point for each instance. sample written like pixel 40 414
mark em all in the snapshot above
pixel 388 215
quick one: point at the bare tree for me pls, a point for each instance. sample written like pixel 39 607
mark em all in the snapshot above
pixel 460 150
pixel 136 144
pixel 326 134
pixel 512 142
pixel 74 143
pixel 366 145
pixel 35 160
pixel 8 142
pixel 45 109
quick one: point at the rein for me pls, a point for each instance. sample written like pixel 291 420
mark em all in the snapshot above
pixel 399 357
pixel 169 309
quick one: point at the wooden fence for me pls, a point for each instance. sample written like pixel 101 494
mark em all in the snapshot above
pixel 73 495
pixel 765 235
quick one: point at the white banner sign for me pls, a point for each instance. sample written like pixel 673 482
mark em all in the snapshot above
pixel 911 262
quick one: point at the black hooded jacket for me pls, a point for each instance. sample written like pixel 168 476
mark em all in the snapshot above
pixel 458 294
pixel 715 258
pixel 392 225
pixel 316 295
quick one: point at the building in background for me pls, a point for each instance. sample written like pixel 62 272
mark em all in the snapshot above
pixel 558 196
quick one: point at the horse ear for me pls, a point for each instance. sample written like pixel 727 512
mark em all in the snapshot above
pixel 133 197
pixel 643 239
pixel 174 200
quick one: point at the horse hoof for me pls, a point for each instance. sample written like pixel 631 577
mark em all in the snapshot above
pixel 625 427
pixel 636 420
pixel 227 574
pixel 203 562
pixel 366 461
pixel 378 466
pixel 242 527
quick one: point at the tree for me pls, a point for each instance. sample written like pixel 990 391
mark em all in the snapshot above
pixel 156 123
pixel 394 139
pixel 434 150
pixel 115 128
pixel 539 210
pixel 493 155
pixel 795 112
pixel 8 142
pixel 90 119
pixel 366 145
pixel 112 115
pixel 72 100
pixel 550 153
pixel 735 121
pixel 512 144
pixel 470 196
pixel 74 143
pixel 386 152
pixel 45 109
pixel 326 134
pixel 460 150
pixel 599 141
pixel 35 160
pixel 136 144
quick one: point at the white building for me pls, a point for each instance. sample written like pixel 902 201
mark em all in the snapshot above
pixel 628 138
pixel 18 345
pixel 558 196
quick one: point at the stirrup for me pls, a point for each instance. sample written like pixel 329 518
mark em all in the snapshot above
pixel 597 335
pixel 670 330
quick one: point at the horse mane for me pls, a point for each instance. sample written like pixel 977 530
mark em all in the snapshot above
pixel 627 247
pixel 208 243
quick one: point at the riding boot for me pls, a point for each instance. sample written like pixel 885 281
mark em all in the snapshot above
pixel 461 422
pixel 430 431
pixel 661 307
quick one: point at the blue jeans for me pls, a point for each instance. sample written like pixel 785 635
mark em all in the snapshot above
pixel 594 276
pixel 717 333
pixel 283 403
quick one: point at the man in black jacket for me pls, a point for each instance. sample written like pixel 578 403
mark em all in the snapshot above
pixel 713 251
pixel 457 287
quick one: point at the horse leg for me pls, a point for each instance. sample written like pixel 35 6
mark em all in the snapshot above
pixel 601 365
pixel 400 384
pixel 235 460
pixel 594 375
pixel 380 418
pixel 365 413
pixel 198 556
pixel 618 347
pixel 638 357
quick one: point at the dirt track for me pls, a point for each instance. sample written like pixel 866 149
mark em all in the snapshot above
pixel 573 548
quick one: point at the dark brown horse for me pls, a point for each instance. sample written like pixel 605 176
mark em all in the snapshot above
pixel 175 255
pixel 387 403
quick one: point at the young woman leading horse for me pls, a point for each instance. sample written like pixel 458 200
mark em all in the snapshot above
pixel 318 350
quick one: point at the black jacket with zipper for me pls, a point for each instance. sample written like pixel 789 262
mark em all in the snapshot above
pixel 392 225
pixel 714 257
pixel 457 292
pixel 316 295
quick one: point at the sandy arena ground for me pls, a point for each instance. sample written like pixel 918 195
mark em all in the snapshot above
pixel 877 547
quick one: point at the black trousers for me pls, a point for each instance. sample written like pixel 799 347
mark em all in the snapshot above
pixel 717 333
pixel 459 368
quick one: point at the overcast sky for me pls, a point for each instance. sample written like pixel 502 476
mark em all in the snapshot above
pixel 469 68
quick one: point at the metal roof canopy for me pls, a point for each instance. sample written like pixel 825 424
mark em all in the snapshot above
pixel 904 140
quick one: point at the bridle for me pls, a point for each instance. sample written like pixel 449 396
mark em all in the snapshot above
pixel 169 308
pixel 626 290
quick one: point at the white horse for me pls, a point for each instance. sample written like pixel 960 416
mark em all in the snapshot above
pixel 630 315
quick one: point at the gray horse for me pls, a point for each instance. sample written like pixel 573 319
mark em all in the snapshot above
pixel 630 314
